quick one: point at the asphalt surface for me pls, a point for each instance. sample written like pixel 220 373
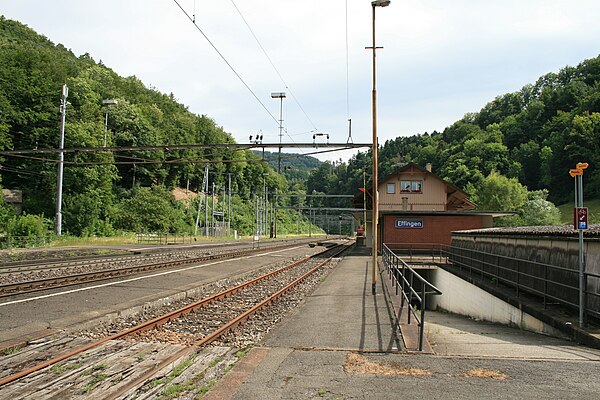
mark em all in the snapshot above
pixel 340 344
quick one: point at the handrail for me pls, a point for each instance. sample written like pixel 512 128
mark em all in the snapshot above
pixel 403 276
pixel 522 274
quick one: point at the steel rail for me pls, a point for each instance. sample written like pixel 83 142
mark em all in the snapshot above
pixel 12 289
pixel 163 319
pixel 222 330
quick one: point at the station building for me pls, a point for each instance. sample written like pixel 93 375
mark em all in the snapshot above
pixel 418 207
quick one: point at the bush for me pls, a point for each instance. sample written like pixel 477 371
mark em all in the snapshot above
pixel 29 225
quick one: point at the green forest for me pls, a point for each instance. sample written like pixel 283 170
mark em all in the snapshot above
pixel 106 193
pixel 512 155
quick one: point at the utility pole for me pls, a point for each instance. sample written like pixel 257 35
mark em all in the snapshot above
pixel 206 201
pixel 374 4
pixel 229 205
pixel 61 159
pixel 256 206
pixel 212 210
pixel 275 216
pixel 204 182
pixel 280 96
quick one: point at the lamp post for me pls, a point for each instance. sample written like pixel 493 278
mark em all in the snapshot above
pixel 107 103
pixel 280 96
pixel 374 4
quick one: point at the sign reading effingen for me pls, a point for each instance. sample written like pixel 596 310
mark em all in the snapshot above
pixel 408 223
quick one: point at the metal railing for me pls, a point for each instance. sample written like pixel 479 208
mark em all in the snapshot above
pixel 551 283
pixel 404 279
pixel 593 295
pixel 420 252
pixel 164 238
pixel 9 242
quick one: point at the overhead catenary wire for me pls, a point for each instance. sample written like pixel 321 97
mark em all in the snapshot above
pixel 192 20
pixel 176 160
pixel 273 64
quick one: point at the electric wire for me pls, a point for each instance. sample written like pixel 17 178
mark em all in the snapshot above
pixel 192 20
pixel 4 168
pixel 347 68
pixel 135 160
pixel 273 64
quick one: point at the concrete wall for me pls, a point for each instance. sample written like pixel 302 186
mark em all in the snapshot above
pixel 461 297
pixel 557 251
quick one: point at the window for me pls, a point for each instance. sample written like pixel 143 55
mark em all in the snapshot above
pixel 391 188
pixel 411 186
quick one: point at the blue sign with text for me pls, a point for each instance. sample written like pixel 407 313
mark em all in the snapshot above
pixel 405 223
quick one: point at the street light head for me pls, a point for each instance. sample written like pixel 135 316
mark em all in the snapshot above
pixel 109 102
pixel 278 95
pixel 380 3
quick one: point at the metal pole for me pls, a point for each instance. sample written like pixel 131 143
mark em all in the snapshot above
pixel 200 203
pixel 106 125
pixel 374 159
pixel 212 210
pixel 229 206
pixel 275 214
pixel 206 201
pixel 256 207
pixel 280 133
pixel 365 204
pixel 61 158
pixel 581 261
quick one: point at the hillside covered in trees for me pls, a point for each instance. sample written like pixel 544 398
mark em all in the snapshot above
pixel 511 155
pixel 514 154
pixel 104 191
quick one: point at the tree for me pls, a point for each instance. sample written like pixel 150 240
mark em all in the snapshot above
pixel 537 210
pixel 151 209
pixel 499 193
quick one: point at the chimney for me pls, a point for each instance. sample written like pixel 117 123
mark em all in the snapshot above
pixel 428 166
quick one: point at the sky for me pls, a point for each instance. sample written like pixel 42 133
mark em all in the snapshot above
pixel 440 59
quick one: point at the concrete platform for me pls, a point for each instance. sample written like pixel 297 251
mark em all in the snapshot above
pixel 341 344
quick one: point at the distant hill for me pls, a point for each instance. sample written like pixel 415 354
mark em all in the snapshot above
pixel 294 167
pixel 98 186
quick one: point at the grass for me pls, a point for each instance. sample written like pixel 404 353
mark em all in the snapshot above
pixel 11 350
pixel 242 353
pixel 215 361
pixel 205 388
pixel 93 382
pixel 59 369
pixel 174 391
pixel 94 241
pixel 593 205
pixel 174 374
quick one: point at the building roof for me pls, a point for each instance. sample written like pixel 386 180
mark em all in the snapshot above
pixel 456 199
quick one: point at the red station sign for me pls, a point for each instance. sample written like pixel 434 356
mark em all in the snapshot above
pixel 580 217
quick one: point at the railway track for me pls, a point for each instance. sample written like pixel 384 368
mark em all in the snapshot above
pixel 29 278
pixel 204 321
